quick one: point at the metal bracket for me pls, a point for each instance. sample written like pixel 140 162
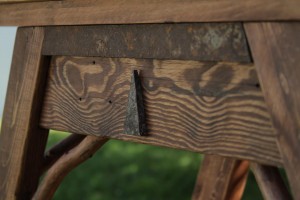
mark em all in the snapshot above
pixel 135 122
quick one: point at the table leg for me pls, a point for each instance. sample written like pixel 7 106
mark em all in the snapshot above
pixel 22 141
pixel 276 52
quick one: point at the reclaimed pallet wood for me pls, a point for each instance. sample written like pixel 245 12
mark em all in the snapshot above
pixel 189 41
pixel 145 11
pixel 276 48
pixel 22 140
pixel 198 106
pixel 221 178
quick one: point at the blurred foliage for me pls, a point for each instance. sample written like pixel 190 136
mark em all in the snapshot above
pixel 122 170
pixel 130 171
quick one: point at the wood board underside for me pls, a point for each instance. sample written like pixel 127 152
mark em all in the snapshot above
pixel 208 107
pixel 19 1
pixel 145 11
pixel 185 41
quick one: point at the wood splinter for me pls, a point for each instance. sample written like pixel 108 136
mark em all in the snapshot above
pixel 65 164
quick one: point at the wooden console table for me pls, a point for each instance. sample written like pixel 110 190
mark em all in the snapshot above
pixel 218 77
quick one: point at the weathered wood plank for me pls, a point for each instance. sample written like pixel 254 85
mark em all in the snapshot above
pixel 202 41
pixel 146 11
pixel 270 182
pixel 22 141
pixel 199 106
pixel 221 178
pixel 276 50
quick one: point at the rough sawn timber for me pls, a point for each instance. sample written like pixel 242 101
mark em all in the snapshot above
pixel 185 41
pixel 145 11
pixel 205 107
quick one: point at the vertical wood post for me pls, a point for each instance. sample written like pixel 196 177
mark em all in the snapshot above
pixel 22 141
pixel 276 52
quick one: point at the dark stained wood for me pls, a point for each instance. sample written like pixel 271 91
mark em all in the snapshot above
pixel 19 1
pixel 66 163
pixel 59 149
pixel 146 11
pixel 220 178
pixel 198 106
pixel 187 41
pixel 22 141
pixel 276 50
pixel 270 182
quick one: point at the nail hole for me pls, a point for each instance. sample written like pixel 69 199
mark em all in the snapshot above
pixel 80 99
pixel 257 85
pixel 94 62
pixel 110 102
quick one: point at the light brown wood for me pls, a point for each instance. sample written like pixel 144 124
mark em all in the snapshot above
pixel 146 11
pixel 198 106
pixel 22 141
pixel 238 180
pixel 275 48
pixel 67 163
pixel 270 182
pixel 221 178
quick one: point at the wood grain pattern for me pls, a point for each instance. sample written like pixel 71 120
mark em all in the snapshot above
pixel 145 11
pixel 270 182
pixel 22 141
pixel 220 178
pixel 276 49
pixel 185 41
pixel 199 106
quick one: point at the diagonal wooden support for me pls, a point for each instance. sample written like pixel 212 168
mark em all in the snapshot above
pixel 221 178
pixel 276 49
pixel 53 154
pixel 270 182
pixel 22 141
pixel 67 163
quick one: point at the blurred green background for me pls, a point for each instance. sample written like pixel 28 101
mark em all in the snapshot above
pixel 130 171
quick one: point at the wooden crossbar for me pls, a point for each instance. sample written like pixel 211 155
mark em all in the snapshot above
pixel 146 11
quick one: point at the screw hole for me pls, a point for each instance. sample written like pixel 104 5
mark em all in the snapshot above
pixel 110 102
